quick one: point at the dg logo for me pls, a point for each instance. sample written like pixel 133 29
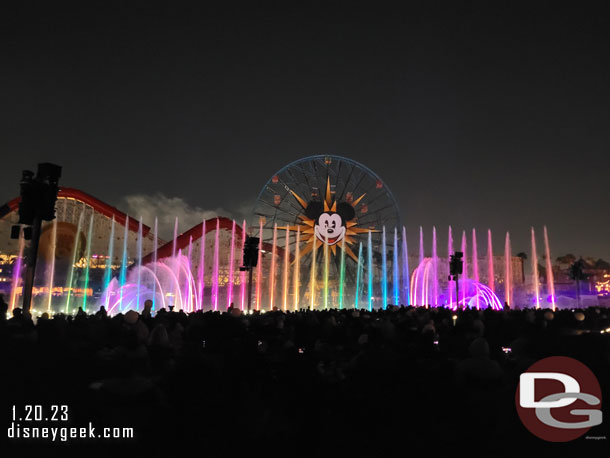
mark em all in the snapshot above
pixel 559 399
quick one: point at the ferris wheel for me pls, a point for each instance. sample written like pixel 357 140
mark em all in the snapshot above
pixel 332 216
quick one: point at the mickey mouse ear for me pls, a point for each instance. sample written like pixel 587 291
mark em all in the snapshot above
pixel 346 211
pixel 314 209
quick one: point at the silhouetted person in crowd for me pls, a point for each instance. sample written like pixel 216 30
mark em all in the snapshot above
pixel 147 312
pixel 101 313
pixel 3 308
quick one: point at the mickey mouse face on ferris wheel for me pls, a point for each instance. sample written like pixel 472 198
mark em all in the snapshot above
pixel 330 226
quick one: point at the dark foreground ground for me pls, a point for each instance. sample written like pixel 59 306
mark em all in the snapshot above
pixel 400 382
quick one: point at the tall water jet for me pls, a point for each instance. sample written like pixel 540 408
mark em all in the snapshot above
pixel 139 271
pixel 216 261
pixel 535 277
pixel 490 263
pixel 259 270
pixel 273 264
pixel 296 279
pixel 123 275
pixel 52 266
pixel 109 260
pixel 17 271
pixel 74 254
pixel 370 270
pixel 475 263
pixel 187 287
pixel 342 274
pixel 313 273
pixel 384 271
pixel 326 274
pixel 87 262
pixel 550 281
pixel 465 268
pixel 201 267
pixel 395 268
pixel 450 286
pixel 154 266
pixel 435 269
pixel 358 277
pixel 286 263
pixel 242 274
pixel 231 268
pixel 508 273
pixel 405 268
pixel 421 245
pixel 175 238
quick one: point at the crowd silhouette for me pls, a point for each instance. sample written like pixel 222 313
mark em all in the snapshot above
pixel 306 383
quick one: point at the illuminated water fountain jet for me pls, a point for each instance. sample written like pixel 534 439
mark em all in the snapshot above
pixel 550 281
pixel 535 278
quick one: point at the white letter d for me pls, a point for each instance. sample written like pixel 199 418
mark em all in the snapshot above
pixel 526 387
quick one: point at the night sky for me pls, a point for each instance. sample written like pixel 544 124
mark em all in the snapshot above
pixel 476 115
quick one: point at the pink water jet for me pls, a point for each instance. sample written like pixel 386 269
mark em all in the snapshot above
pixel 231 262
pixel 475 262
pixel 216 261
pixel 550 281
pixel 490 262
pixel 535 277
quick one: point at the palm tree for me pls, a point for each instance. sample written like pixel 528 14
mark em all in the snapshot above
pixel 577 273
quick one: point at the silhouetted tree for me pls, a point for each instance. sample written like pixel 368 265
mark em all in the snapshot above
pixel 577 274
pixel 600 264
pixel 541 271
pixel 566 259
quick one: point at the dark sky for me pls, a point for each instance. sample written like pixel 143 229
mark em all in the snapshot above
pixel 488 115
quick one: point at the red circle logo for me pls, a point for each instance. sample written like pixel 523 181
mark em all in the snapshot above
pixel 559 399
